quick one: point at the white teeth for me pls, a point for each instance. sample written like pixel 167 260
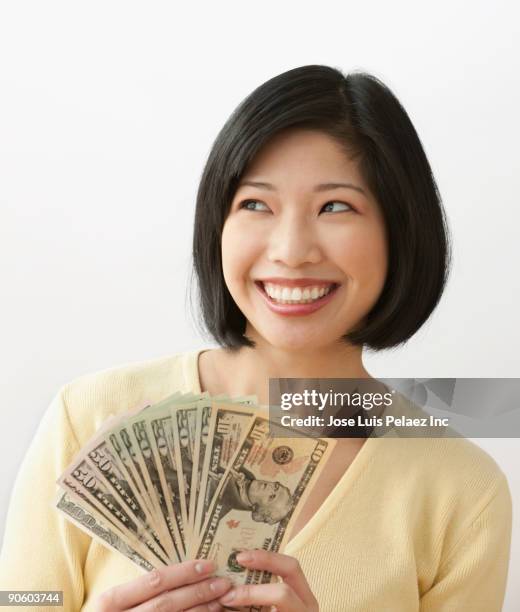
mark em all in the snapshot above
pixel 286 294
pixel 295 295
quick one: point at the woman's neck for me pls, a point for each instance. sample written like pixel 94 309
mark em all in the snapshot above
pixel 247 370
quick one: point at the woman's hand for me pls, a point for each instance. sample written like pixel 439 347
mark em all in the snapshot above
pixel 291 595
pixel 186 587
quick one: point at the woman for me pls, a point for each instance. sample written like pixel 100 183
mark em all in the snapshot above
pixel 319 231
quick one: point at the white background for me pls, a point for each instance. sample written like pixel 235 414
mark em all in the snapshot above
pixel 107 113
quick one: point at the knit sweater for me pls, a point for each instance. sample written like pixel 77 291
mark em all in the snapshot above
pixel 412 525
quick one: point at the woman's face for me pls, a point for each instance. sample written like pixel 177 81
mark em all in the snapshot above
pixel 299 237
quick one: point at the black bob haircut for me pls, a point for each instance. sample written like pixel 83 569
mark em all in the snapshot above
pixel 366 118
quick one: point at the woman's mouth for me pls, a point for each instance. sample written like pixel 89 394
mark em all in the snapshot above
pixel 296 300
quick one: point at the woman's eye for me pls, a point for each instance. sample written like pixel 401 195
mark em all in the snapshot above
pixel 256 205
pixel 250 204
pixel 349 207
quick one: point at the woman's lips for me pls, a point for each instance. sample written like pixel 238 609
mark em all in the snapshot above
pixel 296 309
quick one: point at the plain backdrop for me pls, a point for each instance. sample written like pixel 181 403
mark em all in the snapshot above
pixel 107 114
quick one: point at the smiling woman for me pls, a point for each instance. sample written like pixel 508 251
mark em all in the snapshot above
pixel 319 232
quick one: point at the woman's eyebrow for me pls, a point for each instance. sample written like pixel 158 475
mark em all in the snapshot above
pixel 317 188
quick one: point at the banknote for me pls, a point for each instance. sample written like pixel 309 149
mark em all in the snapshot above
pixel 99 530
pixel 185 419
pixel 201 445
pixel 160 424
pixel 128 468
pixel 86 503
pixel 120 438
pixel 204 435
pixel 106 466
pixel 125 455
pixel 81 478
pixel 141 437
pixel 261 492
pixel 227 426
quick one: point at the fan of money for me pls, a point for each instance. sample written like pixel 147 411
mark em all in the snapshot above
pixel 192 476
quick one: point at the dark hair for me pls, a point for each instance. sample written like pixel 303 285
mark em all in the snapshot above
pixel 362 114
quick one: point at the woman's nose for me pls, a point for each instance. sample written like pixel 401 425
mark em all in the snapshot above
pixel 293 243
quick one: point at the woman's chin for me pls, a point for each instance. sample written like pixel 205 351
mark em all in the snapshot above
pixel 295 342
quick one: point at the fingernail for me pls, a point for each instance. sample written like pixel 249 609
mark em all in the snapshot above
pixel 246 557
pixel 219 585
pixel 205 566
pixel 228 597
pixel 214 607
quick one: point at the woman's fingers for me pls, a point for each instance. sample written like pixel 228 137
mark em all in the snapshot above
pixel 124 596
pixel 198 595
pixel 284 566
pixel 188 587
pixel 280 596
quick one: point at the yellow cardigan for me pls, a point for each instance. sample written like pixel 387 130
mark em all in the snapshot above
pixel 413 525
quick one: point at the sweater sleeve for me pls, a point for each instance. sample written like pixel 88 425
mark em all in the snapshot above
pixel 472 576
pixel 41 550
